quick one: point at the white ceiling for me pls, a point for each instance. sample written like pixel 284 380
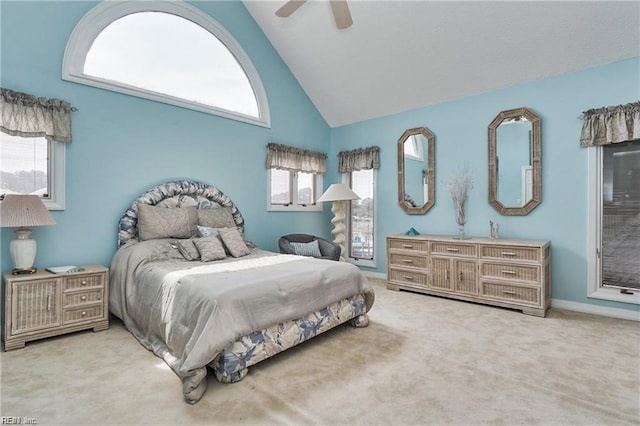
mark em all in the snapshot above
pixel 401 55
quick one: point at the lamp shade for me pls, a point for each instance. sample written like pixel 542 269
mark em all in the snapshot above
pixel 338 192
pixel 22 210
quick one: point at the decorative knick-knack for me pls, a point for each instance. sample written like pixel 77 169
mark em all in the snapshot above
pixel 493 230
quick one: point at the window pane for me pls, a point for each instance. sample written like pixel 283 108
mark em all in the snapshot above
pixel 24 165
pixel 168 54
pixel 621 215
pixel 280 187
pixel 305 188
pixel 362 229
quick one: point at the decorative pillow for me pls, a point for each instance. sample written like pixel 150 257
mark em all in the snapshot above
pixel 187 249
pixel 220 217
pixel 234 242
pixel 210 248
pixel 207 231
pixel 161 222
pixel 306 249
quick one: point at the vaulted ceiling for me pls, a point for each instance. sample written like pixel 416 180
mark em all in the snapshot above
pixel 402 55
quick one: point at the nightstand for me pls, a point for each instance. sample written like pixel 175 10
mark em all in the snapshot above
pixel 44 304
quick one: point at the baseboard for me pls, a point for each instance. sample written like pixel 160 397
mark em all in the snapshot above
pixel 378 275
pixel 597 310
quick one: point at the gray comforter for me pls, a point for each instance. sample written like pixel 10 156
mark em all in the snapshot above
pixel 187 312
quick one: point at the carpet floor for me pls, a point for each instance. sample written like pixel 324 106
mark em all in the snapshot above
pixel 422 361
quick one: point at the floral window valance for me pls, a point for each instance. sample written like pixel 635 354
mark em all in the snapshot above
pixel 359 159
pixel 28 116
pixel 295 159
pixel 609 125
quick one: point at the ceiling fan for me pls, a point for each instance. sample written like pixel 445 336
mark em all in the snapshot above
pixel 340 9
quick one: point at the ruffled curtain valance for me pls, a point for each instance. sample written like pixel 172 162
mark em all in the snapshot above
pixel 295 159
pixel 28 116
pixel 609 125
pixel 359 159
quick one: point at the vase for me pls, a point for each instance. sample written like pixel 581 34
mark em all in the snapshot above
pixel 460 219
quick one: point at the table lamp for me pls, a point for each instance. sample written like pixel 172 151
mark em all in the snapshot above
pixel 22 211
pixel 338 193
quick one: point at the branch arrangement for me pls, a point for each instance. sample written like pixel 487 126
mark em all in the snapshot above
pixel 459 184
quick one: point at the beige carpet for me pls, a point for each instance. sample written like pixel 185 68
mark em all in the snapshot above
pixel 423 360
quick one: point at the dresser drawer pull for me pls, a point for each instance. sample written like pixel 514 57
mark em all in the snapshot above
pixel 511 292
pixel 446 275
pixel 83 313
pixel 83 298
pixel 84 282
pixel 407 260
pixel 407 245
pixel 508 253
pixel 455 250
pixel 509 272
pixel 407 277
pixel 48 302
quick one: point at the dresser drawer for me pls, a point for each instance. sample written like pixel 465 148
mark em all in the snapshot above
pixel 509 252
pixel 409 244
pixel 454 249
pixel 84 313
pixel 84 281
pixel 401 259
pixel 530 274
pixel 528 295
pixel 408 277
pixel 83 297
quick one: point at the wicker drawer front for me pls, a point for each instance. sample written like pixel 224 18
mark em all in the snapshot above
pixel 529 274
pixel 529 295
pixel 82 298
pixel 506 252
pixel 409 245
pixel 84 281
pixel 82 314
pixel 397 259
pixel 453 249
pixel 35 305
pixel 409 278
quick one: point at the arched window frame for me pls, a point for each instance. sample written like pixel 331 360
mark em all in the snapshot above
pixel 98 18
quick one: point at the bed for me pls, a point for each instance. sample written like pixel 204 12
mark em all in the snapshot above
pixel 198 308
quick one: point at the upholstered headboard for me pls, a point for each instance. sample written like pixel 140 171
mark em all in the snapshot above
pixel 182 193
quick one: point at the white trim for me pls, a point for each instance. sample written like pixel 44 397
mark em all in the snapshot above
pixel 294 206
pixel 365 263
pixel 98 18
pixel 626 314
pixel 594 209
pixel 56 200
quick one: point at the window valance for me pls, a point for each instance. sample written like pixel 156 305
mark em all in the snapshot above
pixel 28 116
pixel 295 159
pixel 359 159
pixel 609 125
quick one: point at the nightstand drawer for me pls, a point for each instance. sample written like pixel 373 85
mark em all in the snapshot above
pixel 83 297
pixel 397 259
pixel 82 314
pixel 453 249
pixel 84 281
pixel 530 274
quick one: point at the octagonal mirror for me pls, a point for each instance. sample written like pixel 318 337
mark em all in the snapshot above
pixel 416 171
pixel 515 171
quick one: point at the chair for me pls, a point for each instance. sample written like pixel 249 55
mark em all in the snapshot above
pixel 328 250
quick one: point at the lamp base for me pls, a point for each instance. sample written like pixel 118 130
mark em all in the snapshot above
pixel 21 271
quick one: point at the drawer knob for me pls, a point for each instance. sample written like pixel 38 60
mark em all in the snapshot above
pixel 84 282
pixel 83 298
pixel 83 313
pixel 455 250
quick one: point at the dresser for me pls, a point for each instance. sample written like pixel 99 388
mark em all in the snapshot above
pixel 45 304
pixel 502 272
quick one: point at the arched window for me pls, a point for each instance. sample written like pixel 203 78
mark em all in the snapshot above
pixel 169 52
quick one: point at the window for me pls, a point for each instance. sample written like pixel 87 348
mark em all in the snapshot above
pixel 293 191
pixel 169 52
pixel 33 166
pixel 615 222
pixel 362 213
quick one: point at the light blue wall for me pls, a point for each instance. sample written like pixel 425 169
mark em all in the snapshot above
pixel 123 145
pixel 460 129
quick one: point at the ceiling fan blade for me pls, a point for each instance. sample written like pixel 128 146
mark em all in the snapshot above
pixel 289 7
pixel 341 13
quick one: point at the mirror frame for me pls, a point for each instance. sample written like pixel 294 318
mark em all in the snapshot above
pixel 536 162
pixel 430 170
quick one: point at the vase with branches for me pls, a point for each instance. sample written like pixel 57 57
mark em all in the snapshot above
pixel 459 184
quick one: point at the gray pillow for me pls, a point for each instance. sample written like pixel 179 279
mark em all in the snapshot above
pixel 161 222
pixel 187 249
pixel 220 217
pixel 210 248
pixel 306 249
pixel 234 242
